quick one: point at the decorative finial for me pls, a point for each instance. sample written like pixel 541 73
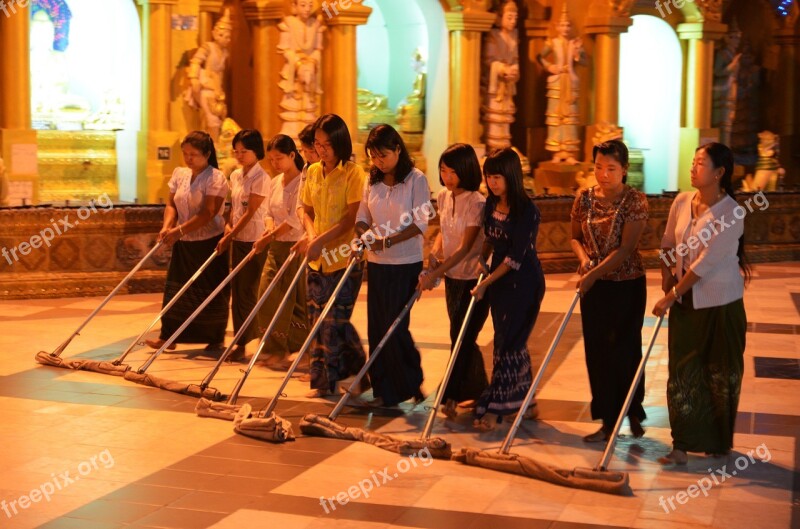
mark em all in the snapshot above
pixel 225 23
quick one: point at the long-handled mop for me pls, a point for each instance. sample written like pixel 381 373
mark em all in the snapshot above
pixel 141 377
pixel 598 479
pixel 265 424
pixel 54 358
pixel 313 424
pixel 175 298
pixel 206 407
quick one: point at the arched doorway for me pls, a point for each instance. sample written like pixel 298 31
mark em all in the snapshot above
pixel 650 98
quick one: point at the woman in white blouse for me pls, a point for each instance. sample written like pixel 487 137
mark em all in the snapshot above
pixel 454 256
pixel 291 329
pixel 395 211
pixel 193 224
pixel 245 225
pixel 704 271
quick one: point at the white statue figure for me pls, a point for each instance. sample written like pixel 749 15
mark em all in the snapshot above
pixel 558 57
pixel 301 83
pixel 206 74
pixel 500 76
pixel 768 169
pixel 726 72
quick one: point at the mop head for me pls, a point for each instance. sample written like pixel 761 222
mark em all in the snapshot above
pixel 323 427
pixel 596 480
pixel 193 390
pixel 81 364
pixel 270 428
pixel 217 410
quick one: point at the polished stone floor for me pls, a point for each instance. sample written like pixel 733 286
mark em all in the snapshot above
pixel 86 450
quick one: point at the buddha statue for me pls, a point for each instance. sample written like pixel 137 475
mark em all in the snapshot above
pixel 500 75
pixel 558 57
pixel 206 73
pixel 411 111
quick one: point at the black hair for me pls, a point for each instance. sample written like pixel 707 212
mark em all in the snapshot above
pixel 202 141
pixel 251 140
pixel 286 145
pixel 506 162
pixel 617 150
pixel 385 137
pixel 336 129
pixel 306 135
pixel 722 156
pixel 461 158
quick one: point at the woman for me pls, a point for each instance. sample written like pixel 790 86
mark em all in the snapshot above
pixel 283 232
pixel 514 287
pixel 607 223
pixel 245 225
pixel 704 296
pixel 193 224
pixel 308 151
pixel 459 243
pixel 394 211
pixel 331 196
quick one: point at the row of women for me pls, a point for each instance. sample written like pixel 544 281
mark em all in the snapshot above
pixel 486 250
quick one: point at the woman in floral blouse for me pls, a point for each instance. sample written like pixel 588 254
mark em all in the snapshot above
pixel 607 223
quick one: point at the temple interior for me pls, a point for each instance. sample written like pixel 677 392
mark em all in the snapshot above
pixel 96 98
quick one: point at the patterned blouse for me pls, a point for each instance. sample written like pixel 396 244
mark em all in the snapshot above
pixel 601 225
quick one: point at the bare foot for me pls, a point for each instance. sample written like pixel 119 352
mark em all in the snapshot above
pixel 487 423
pixel 676 457
pixel 317 394
pixel 449 409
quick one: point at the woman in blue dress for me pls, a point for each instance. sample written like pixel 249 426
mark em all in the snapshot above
pixel 514 286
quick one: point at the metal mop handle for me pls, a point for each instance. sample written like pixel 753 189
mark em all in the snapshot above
pixel 197 311
pixel 250 317
pixel 272 323
pixel 426 433
pixel 169 305
pixel 343 401
pixel 525 403
pixel 354 259
pixel 612 440
pixel 113 293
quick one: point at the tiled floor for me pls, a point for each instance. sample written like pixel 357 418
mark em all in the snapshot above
pixel 85 450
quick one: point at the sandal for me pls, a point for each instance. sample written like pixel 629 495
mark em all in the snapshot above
pixel 449 409
pixel 676 457
pixel 599 436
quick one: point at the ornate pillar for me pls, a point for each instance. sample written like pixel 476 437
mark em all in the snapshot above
pixel 788 41
pixel 18 145
pixel 606 31
pixel 466 31
pixel 699 81
pixel 339 65
pixel 208 10
pixel 159 149
pixel 264 16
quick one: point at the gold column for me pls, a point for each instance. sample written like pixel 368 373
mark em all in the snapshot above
pixel 17 141
pixel 208 9
pixel 788 106
pixel 159 148
pixel 698 82
pixel 607 33
pixel 466 31
pixel 339 65
pixel 264 16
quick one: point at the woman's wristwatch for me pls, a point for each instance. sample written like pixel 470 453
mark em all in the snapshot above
pixel 387 243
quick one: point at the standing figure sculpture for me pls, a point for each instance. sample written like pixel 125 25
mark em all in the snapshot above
pixel 301 83
pixel 206 74
pixel 499 77
pixel 726 72
pixel 558 57
pixel 411 110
